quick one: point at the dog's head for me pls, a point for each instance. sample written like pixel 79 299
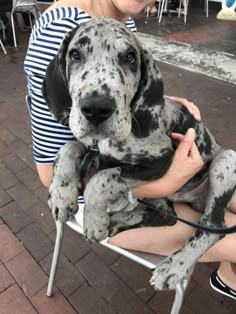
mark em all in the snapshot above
pixel 103 80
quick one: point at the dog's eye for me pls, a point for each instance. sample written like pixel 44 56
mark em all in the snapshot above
pixel 131 57
pixel 75 55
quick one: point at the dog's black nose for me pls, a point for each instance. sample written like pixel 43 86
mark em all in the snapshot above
pixel 97 109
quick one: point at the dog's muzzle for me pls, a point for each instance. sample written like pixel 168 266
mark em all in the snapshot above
pixel 97 109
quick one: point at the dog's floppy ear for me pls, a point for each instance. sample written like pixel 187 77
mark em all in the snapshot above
pixel 150 93
pixel 55 87
pixel 151 83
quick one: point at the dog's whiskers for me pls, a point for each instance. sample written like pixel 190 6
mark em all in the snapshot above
pixel 136 121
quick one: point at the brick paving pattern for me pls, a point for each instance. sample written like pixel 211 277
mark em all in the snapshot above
pixel 90 279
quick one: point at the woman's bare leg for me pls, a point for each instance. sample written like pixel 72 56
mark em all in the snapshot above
pixel 168 239
pixel 159 240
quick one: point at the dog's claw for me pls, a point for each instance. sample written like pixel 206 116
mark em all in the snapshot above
pixel 62 200
pixel 96 229
pixel 169 273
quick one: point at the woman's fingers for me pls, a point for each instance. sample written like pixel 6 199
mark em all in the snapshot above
pixel 195 155
pixel 190 106
pixel 186 139
pixel 187 151
pixel 186 142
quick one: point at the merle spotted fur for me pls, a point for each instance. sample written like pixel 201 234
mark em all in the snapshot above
pixel 106 86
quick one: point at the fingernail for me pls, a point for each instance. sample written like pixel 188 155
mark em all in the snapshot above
pixel 191 131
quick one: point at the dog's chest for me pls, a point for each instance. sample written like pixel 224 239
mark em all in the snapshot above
pixel 134 151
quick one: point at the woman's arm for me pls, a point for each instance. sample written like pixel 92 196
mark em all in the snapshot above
pixel 45 173
pixel 186 163
pixel 186 154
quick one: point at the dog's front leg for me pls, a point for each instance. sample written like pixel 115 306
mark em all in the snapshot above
pixel 105 187
pixel 65 185
pixel 222 186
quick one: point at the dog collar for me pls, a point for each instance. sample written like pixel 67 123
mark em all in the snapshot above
pixel 89 158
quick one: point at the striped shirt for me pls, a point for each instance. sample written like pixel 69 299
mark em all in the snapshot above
pixel 47 35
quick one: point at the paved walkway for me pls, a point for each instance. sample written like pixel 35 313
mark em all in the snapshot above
pixel 90 279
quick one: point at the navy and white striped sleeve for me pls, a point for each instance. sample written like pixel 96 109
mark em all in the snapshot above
pixel 47 134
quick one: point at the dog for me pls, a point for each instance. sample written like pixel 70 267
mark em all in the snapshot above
pixel 108 88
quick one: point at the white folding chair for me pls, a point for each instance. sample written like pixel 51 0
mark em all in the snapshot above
pixel 163 7
pixel 207 5
pixel 29 6
pixel 148 260
pixel 185 10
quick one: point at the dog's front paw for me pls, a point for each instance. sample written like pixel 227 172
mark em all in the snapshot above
pixel 170 272
pixel 96 227
pixel 63 199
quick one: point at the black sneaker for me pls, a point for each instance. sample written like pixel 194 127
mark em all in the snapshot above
pixel 218 285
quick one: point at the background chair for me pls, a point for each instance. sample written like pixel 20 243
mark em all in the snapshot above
pixel 183 11
pixel 2 27
pixel 163 7
pixel 29 6
pixel 207 5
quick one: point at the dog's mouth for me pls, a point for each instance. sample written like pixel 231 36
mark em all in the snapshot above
pixel 114 128
pixel 100 117
pixel 106 130
pixel 97 109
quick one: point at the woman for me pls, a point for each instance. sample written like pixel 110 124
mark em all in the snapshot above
pixel 49 136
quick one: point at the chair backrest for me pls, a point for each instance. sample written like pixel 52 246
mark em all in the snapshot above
pixel 24 2
pixel 24 5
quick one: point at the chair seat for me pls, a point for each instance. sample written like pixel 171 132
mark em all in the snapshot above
pixel 148 260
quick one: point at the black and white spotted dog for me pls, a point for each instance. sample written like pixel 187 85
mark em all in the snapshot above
pixel 108 88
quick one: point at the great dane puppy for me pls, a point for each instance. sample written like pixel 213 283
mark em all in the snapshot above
pixel 107 87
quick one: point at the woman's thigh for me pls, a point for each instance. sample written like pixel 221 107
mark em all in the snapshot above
pixel 168 239
pixel 159 240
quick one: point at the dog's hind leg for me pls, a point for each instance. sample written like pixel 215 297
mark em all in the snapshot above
pixel 143 216
pixel 222 185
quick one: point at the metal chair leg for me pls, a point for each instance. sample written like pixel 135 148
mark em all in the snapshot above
pixel 30 19
pixel 179 297
pixel 55 258
pixel 179 293
pixel 3 48
pixel 163 4
pixel 13 29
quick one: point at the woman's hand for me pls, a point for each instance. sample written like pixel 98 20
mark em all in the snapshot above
pixel 193 109
pixel 187 160
pixel 186 163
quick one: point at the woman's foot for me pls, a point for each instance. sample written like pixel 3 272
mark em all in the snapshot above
pixel 218 285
